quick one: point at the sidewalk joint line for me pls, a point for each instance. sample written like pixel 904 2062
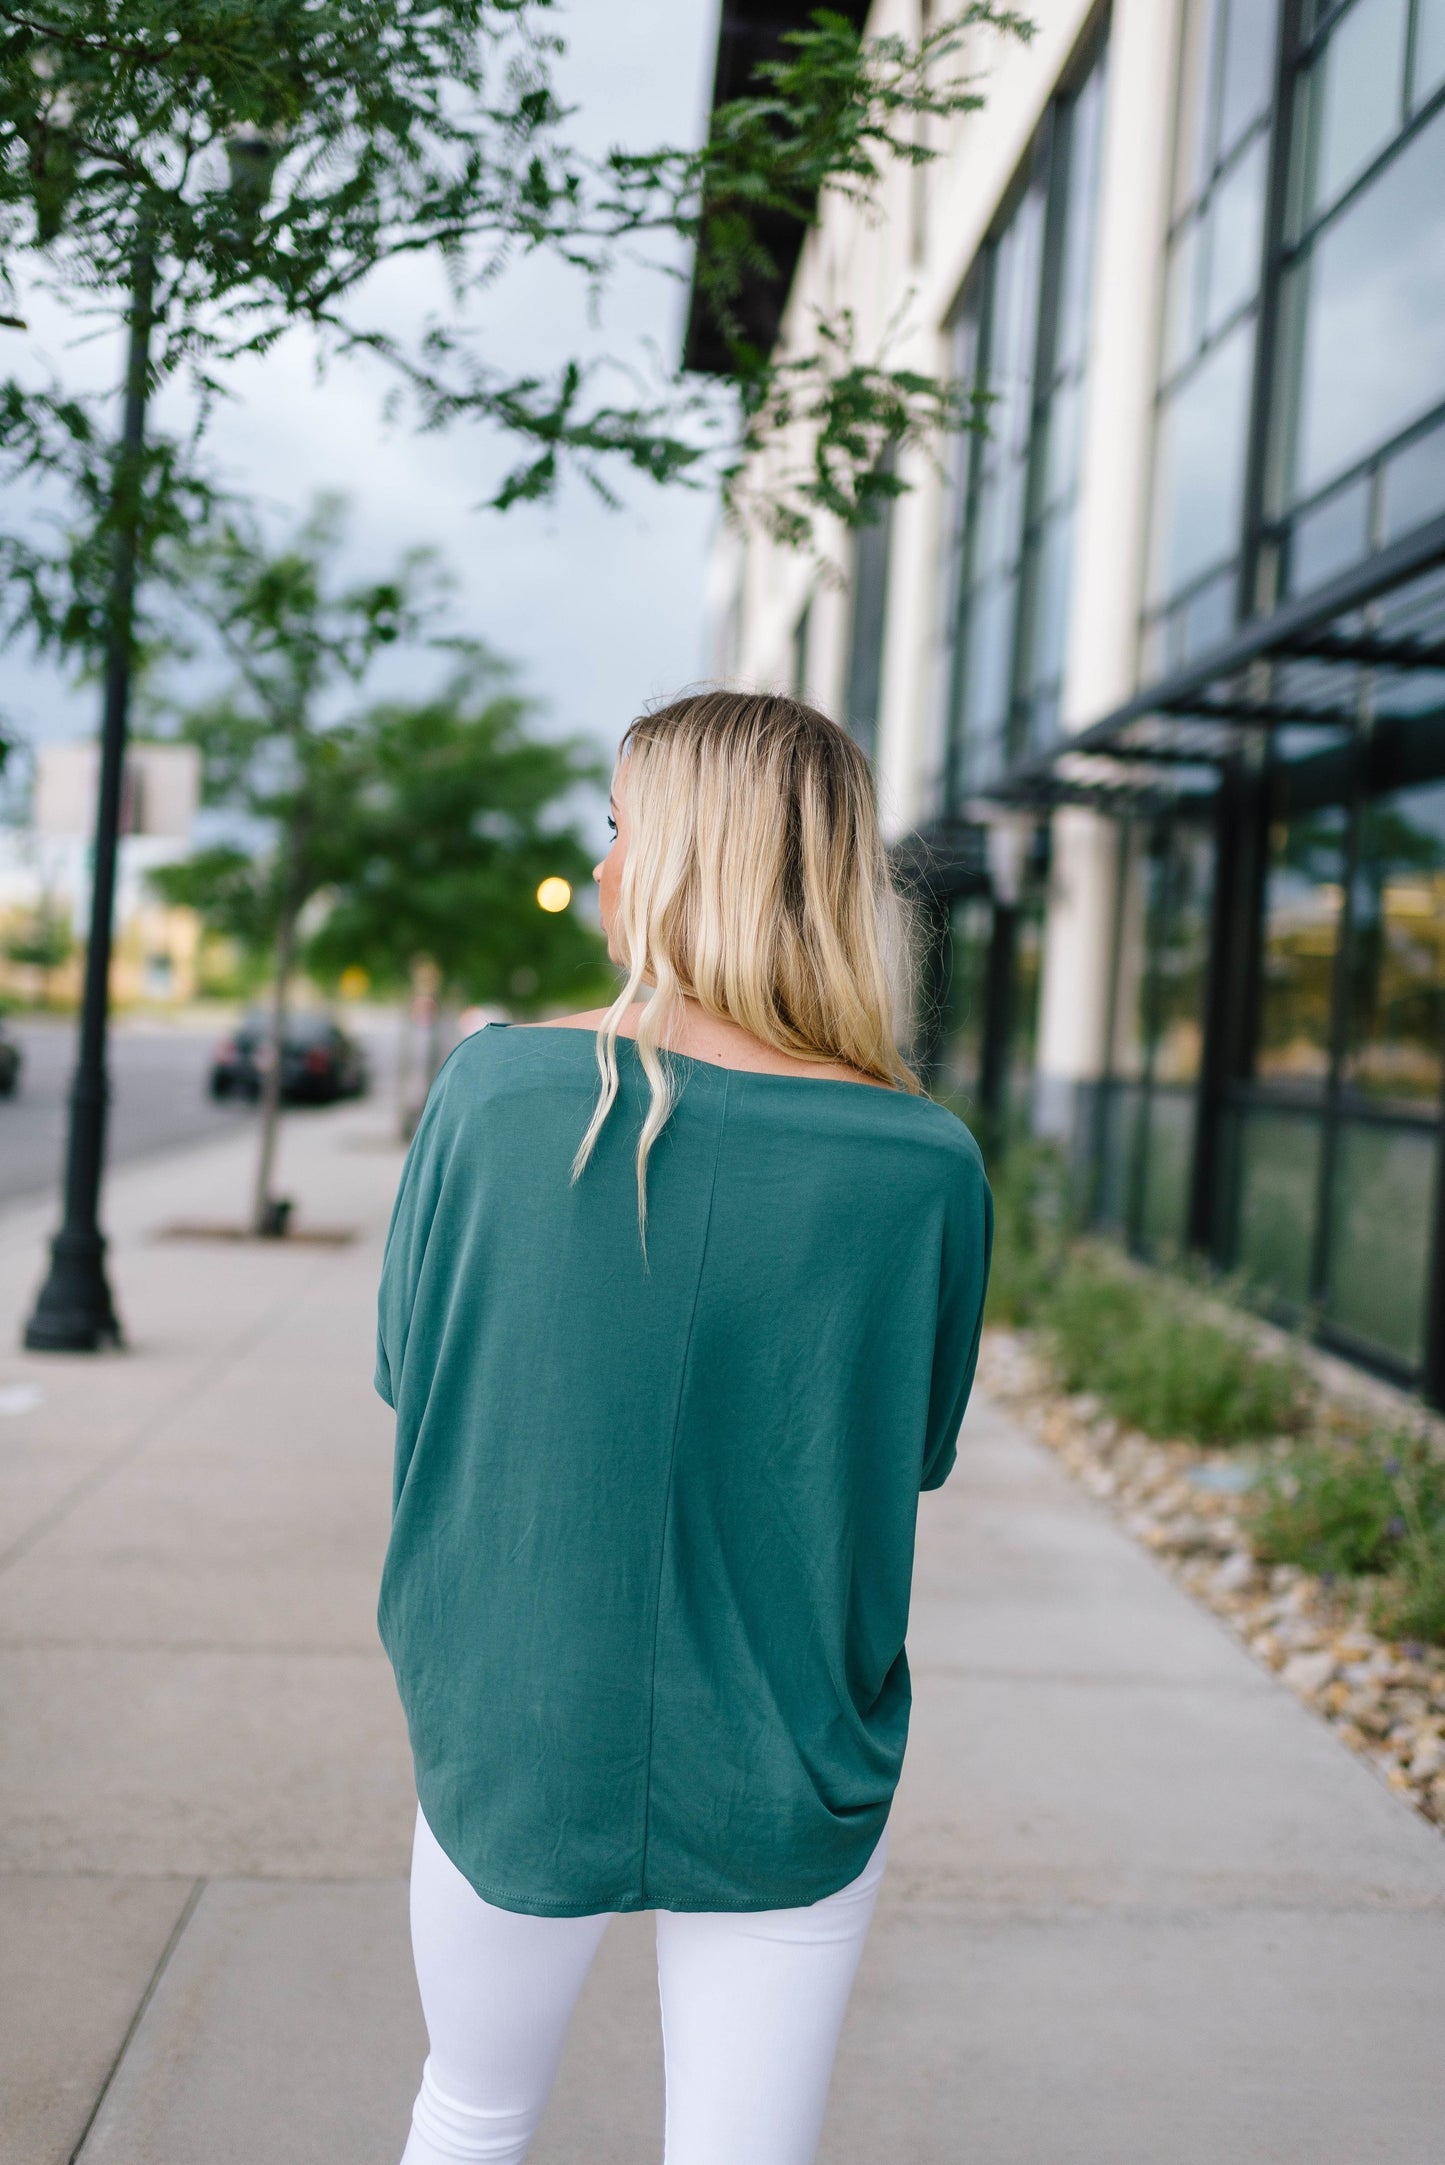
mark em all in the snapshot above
pixel 188 1910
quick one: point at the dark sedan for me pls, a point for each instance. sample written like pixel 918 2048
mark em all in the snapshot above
pixel 10 1063
pixel 319 1062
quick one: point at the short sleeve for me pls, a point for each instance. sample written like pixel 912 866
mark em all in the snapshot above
pixel 963 1283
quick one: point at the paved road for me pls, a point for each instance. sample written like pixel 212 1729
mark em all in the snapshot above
pixel 158 1099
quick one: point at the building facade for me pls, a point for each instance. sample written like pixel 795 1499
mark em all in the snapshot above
pixel 1152 668
pixel 45 878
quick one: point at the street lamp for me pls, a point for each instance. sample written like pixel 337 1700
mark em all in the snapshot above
pixel 74 1311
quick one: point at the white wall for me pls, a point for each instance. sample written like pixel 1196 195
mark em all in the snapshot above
pixel 902 275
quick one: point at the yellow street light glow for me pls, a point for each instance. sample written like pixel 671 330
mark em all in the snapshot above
pixel 554 894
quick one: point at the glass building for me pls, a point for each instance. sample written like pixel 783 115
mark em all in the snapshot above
pixel 1170 738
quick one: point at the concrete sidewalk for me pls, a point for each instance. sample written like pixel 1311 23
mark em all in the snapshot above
pixel 1142 1908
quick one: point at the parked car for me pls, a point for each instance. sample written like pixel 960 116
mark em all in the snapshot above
pixel 319 1062
pixel 11 1061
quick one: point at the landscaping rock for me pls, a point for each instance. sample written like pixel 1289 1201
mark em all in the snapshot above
pixel 1385 1701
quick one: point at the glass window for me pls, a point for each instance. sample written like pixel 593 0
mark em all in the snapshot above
pixel 1199 458
pixel 872 551
pixel 1212 284
pixel 1247 79
pixel 1076 268
pixel 1330 538
pixel 1024 1013
pixel 1183 320
pixel 1236 236
pixel 1357 91
pixel 1370 325
pixel 1380 1218
pixel 1396 981
pixel 960 1058
pixel 1303 904
pixel 1279 1177
pixel 1429 68
pixel 986 678
pixel 1181 954
pixel 1208 616
pixel 1413 485
pixel 1048 621
pixel 1193 144
pixel 1118 1155
pixel 1168 1166
pixel 1061 453
pixel 1030 302
pixel 1131 956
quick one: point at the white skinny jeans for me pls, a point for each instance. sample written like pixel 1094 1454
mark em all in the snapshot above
pixel 752 2003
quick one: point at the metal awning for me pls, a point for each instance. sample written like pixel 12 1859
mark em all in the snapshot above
pixel 1365 648
pixel 750 32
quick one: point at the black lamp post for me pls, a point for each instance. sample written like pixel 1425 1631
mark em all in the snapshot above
pixel 74 1312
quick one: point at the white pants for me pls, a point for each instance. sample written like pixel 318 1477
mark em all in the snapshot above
pixel 752 2003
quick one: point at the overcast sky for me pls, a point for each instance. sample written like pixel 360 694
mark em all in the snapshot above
pixel 599 610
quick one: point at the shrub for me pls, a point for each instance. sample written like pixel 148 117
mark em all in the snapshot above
pixel 1032 1221
pixel 1411 1603
pixel 1140 1343
pixel 1330 1508
pixel 1372 1509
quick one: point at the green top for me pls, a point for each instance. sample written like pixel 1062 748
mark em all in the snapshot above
pixel 653 1526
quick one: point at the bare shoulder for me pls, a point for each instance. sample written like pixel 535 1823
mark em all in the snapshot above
pixel 589 1020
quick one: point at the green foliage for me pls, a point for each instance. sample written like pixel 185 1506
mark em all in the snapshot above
pixel 836 112
pixel 1144 1343
pixel 270 155
pixel 453 827
pixel 1411 1604
pixel 45 941
pixel 1033 1223
pixel 411 831
pixel 1156 1349
pixel 1366 1508
pixel 248 168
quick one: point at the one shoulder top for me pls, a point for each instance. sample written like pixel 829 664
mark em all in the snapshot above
pixel 649 1571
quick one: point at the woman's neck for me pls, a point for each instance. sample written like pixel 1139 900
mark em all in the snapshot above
pixel 720 1042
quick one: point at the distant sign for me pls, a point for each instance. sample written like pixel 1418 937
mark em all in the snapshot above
pixel 160 790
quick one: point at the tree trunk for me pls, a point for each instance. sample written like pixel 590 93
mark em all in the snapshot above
pixel 405 1123
pixel 433 1046
pixel 264 1213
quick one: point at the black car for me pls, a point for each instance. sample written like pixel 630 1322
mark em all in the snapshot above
pixel 319 1062
pixel 11 1058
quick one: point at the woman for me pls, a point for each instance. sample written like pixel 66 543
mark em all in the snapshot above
pixel 671 1359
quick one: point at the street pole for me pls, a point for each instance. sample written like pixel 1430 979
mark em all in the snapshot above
pixel 74 1312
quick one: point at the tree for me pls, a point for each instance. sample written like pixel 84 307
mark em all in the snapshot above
pixel 210 176
pixel 221 173
pixel 291 636
pixel 455 824
pixel 422 832
pixel 43 942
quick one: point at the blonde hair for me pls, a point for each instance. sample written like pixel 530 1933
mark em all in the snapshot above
pixel 756 883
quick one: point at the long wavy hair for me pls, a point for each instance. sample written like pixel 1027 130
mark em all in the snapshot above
pixel 756 883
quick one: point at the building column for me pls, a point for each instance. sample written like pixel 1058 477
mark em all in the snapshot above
pixel 1110 532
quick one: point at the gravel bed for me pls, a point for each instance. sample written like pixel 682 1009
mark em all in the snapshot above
pixel 1383 1698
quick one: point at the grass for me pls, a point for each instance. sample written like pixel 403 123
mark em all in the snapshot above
pixel 1366 1509
pixel 1150 1346
pixel 1163 1353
